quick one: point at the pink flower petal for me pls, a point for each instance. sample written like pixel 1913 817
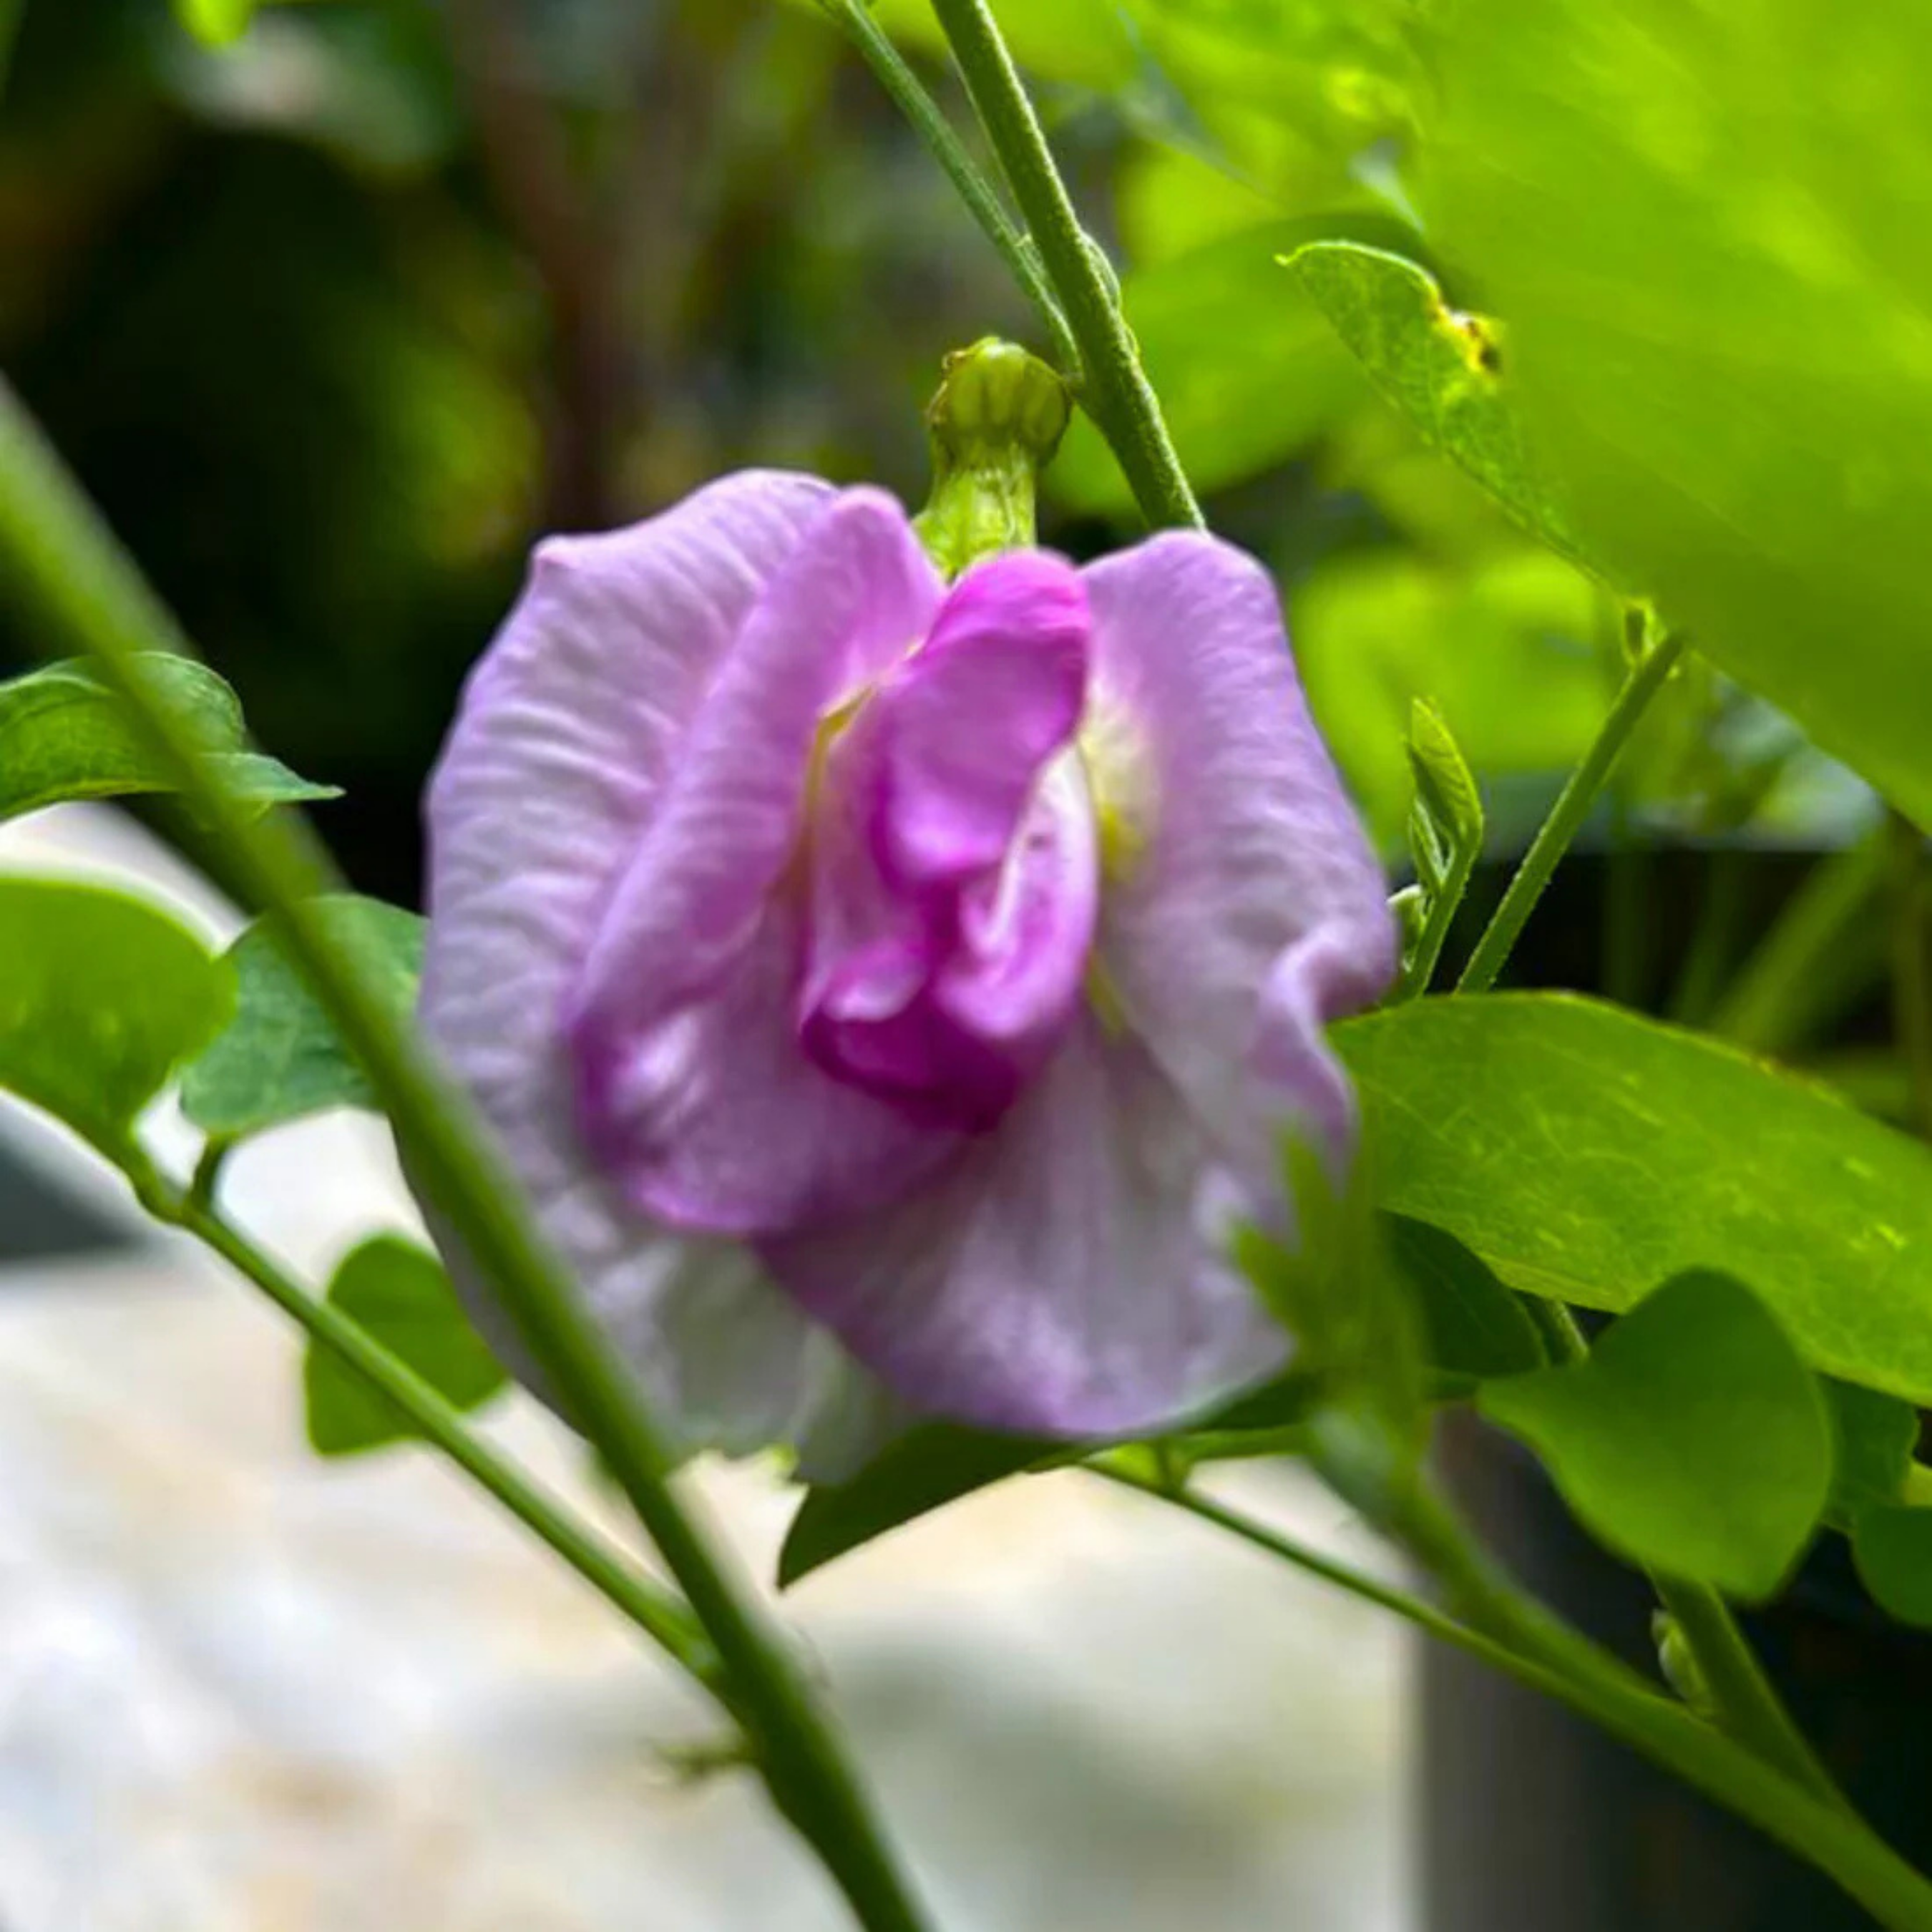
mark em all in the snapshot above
pixel 551 773
pixel 693 1092
pixel 1254 912
pixel 1065 1275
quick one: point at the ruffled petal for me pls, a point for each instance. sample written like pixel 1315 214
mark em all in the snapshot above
pixel 552 771
pixel 1066 1275
pixel 966 725
pixel 1245 910
pixel 953 863
pixel 692 1089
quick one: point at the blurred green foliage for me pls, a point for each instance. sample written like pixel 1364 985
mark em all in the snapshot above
pixel 335 307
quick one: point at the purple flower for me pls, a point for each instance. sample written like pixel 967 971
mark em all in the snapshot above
pixel 837 954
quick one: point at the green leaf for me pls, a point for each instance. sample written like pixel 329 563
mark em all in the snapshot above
pixel 1692 1439
pixel 399 1293
pixel 1891 1545
pixel 930 1466
pixel 101 996
pixel 281 1057
pixel 939 1462
pixel 216 23
pixel 1705 235
pixel 1246 378
pixel 64 735
pixel 1586 1154
pixel 1875 1436
pixel 1473 1327
pixel 1445 839
pixel 1440 366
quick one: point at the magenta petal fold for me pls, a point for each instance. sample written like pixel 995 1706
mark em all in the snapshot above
pixel 891 997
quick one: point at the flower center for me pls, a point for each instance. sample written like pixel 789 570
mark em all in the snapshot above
pixel 953 866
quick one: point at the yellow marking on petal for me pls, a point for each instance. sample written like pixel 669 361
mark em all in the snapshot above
pixel 1103 997
pixel 831 728
pixel 1119 779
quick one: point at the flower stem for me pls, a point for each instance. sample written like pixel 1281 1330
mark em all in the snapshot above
pixel 652 1608
pixel 61 555
pixel 1818 956
pixel 982 198
pixel 1114 387
pixel 1567 814
pixel 1911 967
pixel 1517 1636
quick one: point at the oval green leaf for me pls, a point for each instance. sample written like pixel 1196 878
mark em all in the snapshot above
pixel 1441 367
pixel 281 1057
pixel 1586 1154
pixel 101 996
pixel 398 1294
pixel 931 1466
pixel 64 735
pixel 1692 1439
pixel 1891 1545
pixel 1875 1436
pixel 1473 1326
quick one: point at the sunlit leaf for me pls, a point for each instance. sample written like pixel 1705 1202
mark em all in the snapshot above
pixel 216 22
pixel 1692 1439
pixel 281 1057
pixel 101 996
pixel 1586 1154
pixel 64 735
pixel 400 1295
pixel 1705 230
pixel 1442 368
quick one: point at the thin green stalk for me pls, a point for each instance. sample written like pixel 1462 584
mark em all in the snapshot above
pixel 1912 966
pixel 982 198
pixel 1713 942
pixel 1567 814
pixel 1507 1631
pixel 648 1605
pixel 1115 388
pixel 1823 949
pixel 1443 904
pixel 1745 1701
pixel 1358 1583
pixel 11 14
pixel 1626 937
pixel 63 556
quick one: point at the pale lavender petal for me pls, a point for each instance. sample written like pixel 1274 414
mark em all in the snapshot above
pixel 692 1089
pixel 550 775
pixel 1249 910
pixel 1067 1275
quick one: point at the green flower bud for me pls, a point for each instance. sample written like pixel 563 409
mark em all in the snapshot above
pixel 995 425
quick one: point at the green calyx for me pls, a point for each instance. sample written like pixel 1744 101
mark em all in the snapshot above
pixel 995 425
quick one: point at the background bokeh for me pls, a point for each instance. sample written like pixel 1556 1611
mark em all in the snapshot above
pixel 335 318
